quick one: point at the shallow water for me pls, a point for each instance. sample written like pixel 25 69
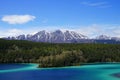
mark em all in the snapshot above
pixel 85 72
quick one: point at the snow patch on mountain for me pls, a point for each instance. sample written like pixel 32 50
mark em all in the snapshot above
pixel 57 36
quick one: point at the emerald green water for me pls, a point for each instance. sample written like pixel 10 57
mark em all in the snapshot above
pixel 98 71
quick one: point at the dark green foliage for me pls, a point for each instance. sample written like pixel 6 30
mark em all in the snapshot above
pixel 56 55
pixel 66 58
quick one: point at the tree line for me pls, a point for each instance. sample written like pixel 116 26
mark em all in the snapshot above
pixel 55 54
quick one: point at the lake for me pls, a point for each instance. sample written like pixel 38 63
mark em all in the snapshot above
pixel 98 71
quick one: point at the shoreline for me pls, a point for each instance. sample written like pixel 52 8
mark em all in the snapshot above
pixel 28 66
pixel 82 64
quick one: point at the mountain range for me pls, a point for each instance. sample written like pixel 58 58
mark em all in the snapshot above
pixel 59 36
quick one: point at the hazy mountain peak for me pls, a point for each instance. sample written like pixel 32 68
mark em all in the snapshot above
pixel 103 37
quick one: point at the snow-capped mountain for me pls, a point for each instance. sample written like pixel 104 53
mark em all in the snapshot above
pixel 57 36
pixel 115 38
pixel 103 37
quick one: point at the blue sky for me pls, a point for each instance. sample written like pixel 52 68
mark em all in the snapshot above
pixel 88 17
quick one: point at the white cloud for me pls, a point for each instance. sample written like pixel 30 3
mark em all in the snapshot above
pixel 17 19
pixel 96 4
pixel 96 30
pixel 14 31
pixel 11 32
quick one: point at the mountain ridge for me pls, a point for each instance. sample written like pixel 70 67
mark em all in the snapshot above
pixel 59 36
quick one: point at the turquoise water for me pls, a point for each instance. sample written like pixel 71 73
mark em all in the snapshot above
pixel 96 71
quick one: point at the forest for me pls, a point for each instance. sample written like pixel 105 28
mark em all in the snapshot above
pixel 57 54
